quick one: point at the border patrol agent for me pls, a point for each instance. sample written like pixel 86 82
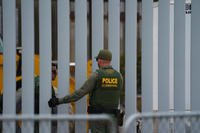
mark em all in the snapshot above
pixel 104 87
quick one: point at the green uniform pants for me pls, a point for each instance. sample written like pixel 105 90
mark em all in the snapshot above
pixel 101 126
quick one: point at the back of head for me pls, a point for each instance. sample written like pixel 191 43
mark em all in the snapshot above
pixel 104 54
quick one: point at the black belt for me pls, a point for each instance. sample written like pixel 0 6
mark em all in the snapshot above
pixel 99 110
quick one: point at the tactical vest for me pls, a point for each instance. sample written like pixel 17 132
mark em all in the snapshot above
pixel 108 88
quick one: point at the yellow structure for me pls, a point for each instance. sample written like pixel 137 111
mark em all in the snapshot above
pixel 1 71
pixel 37 73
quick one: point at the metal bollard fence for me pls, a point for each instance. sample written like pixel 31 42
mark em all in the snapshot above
pixel 164 122
pixel 27 119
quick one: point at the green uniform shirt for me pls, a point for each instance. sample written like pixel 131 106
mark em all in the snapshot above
pixel 108 89
pixel 89 85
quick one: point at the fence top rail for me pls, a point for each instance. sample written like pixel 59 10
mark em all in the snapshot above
pixel 60 117
pixel 134 117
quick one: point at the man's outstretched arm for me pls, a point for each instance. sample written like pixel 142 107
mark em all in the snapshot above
pixel 87 87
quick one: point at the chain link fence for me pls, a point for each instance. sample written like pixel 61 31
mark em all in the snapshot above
pixel 165 122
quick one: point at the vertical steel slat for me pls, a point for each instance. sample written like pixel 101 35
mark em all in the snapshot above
pixel 45 60
pixel 130 57
pixel 179 55
pixel 148 58
pixel 179 58
pixel 63 58
pixel 195 55
pixel 187 54
pixel 195 64
pixel 171 63
pixel 114 32
pixel 27 8
pixel 97 29
pixel 80 56
pixel 9 62
pixel 171 56
pixel 155 56
pixel 163 56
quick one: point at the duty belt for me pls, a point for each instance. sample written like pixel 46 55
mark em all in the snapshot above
pixel 99 110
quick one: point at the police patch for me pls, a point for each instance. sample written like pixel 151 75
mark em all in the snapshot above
pixel 109 82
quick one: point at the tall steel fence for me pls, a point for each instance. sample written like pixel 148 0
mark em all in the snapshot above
pixel 164 33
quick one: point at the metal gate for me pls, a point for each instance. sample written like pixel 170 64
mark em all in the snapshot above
pixel 163 122
pixel 30 120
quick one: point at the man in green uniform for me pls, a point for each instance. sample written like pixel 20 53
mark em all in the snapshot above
pixel 104 87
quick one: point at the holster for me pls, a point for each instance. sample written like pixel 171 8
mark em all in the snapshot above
pixel 120 117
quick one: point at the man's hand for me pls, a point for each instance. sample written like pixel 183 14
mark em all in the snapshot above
pixel 53 102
